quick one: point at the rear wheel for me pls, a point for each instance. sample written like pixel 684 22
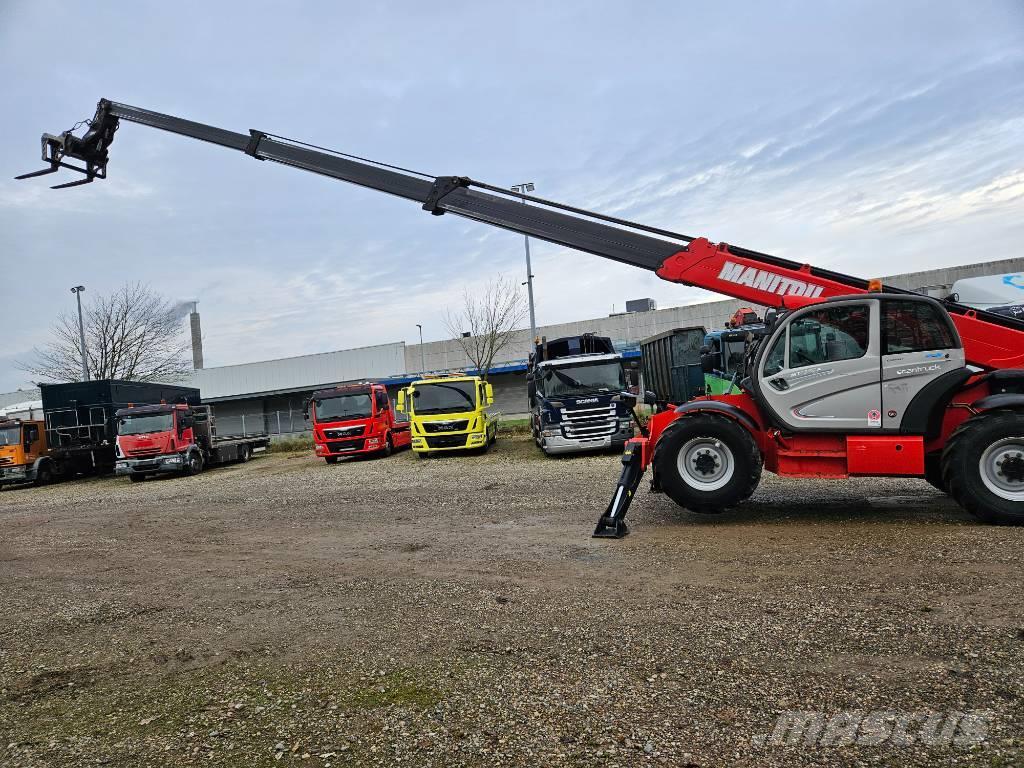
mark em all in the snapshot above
pixel 983 467
pixel 707 463
pixel 243 454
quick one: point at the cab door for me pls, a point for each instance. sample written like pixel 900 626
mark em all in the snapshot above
pixel 919 344
pixel 822 371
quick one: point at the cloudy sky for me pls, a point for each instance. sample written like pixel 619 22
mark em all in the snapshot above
pixel 868 137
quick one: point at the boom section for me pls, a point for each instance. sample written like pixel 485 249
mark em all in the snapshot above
pixel 990 340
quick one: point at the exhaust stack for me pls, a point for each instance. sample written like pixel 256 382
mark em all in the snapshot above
pixel 197 338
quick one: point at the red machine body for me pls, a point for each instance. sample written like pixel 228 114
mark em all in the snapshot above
pixel 356 420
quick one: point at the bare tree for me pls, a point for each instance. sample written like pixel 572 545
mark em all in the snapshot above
pixel 133 333
pixel 490 318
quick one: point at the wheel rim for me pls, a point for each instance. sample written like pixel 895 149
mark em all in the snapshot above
pixel 705 463
pixel 1002 468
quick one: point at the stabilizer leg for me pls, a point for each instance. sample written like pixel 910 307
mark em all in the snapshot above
pixel 612 524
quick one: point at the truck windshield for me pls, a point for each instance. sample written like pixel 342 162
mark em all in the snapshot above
pixel 343 408
pixel 582 379
pixel 732 356
pixel 10 435
pixel 450 397
pixel 145 424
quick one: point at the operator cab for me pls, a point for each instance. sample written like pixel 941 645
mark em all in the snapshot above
pixel 867 363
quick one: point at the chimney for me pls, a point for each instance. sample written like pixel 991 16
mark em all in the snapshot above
pixel 197 338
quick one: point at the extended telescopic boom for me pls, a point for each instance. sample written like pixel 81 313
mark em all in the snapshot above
pixel 990 341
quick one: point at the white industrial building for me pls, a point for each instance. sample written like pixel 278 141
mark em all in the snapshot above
pixel 269 395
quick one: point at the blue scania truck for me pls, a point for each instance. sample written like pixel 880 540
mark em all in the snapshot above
pixel 577 391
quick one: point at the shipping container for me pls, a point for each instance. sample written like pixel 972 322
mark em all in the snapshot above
pixel 670 364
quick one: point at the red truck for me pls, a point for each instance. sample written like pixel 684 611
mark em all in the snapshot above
pixel 355 420
pixel 176 438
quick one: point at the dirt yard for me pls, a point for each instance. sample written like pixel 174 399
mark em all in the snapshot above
pixel 454 611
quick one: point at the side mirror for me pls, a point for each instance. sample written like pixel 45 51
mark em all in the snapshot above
pixel 707 363
pixel 650 398
pixel 705 350
pixel 400 405
pixel 770 318
pixel 489 390
pixel 305 410
pixel 531 390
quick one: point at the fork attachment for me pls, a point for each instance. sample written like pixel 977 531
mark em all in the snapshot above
pixel 91 148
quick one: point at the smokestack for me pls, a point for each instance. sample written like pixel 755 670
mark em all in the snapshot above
pixel 197 338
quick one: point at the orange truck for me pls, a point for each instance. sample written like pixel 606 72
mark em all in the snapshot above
pixel 24 455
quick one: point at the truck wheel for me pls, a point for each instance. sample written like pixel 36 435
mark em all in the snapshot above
pixel 707 463
pixel 136 478
pixel 43 476
pixel 331 459
pixel 194 463
pixel 243 454
pixel 983 466
pixel 388 447
pixel 933 472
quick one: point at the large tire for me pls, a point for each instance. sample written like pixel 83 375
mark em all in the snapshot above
pixel 933 472
pixel 388 447
pixel 44 475
pixel 244 454
pixel 194 463
pixel 983 466
pixel 707 463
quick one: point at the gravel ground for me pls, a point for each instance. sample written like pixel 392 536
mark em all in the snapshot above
pixel 454 611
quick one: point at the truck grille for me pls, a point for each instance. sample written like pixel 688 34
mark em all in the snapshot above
pixel 143 452
pixel 447 441
pixel 343 446
pixel 586 423
pixel 445 426
pixel 5 459
pixel 344 432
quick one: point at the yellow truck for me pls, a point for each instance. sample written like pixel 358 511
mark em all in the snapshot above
pixel 24 455
pixel 450 413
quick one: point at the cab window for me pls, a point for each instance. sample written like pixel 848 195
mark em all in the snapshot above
pixel 914 326
pixel 828 335
pixel 775 361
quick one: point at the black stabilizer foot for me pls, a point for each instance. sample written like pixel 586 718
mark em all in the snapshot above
pixel 612 524
pixel 610 528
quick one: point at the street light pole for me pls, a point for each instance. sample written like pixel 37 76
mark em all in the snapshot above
pixel 77 290
pixel 523 189
pixel 423 365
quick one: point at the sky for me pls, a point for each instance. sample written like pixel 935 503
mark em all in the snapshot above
pixel 867 137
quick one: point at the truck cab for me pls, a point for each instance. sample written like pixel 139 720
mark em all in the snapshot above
pixel 450 413
pixel 24 455
pixel 724 354
pixel 575 386
pixel 355 420
pixel 177 439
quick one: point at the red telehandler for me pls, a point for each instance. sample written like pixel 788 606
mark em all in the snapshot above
pixel 853 378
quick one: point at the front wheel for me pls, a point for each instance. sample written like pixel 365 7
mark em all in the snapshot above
pixel 388 447
pixel 193 463
pixel 983 466
pixel 707 463
pixel 44 476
